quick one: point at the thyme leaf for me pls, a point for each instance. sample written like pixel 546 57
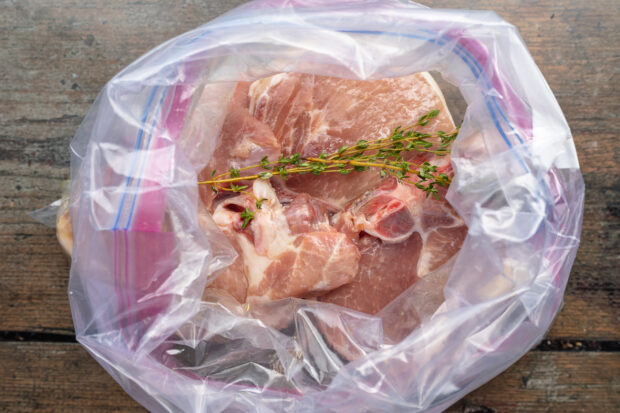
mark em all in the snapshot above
pixel 384 154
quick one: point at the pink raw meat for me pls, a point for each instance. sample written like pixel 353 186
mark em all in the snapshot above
pixel 354 240
pixel 232 279
pixel 289 251
pixel 403 237
pixel 306 214
pixel 315 263
pixel 390 212
pixel 385 271
pixel 310 114
pixel 243 141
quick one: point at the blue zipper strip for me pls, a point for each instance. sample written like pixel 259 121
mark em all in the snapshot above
pixel 148 143
pixel 135 155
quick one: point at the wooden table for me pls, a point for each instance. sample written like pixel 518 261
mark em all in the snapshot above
pixel 56 55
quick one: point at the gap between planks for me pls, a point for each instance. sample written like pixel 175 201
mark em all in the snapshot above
pixel 574 345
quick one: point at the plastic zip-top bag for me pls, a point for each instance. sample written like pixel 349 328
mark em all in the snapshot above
pixel 146 247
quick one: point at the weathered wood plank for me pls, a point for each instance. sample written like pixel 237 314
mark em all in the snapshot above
pixel 55 58
pixel 50 377
pixel 551 382
pixel 57 377
pixel 56 61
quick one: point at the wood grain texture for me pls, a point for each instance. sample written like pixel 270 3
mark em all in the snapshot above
pixel 55 57
pixel 52 377
pixel 59 55
pixel 551 382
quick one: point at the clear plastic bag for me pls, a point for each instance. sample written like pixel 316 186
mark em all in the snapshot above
pixel 144 251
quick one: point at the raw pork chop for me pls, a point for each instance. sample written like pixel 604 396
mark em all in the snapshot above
pixel 290 248
pixel 285 251
pixel 243 141
pixel 390 212
pixel 385 271
pixel 311 114
pixel 403 236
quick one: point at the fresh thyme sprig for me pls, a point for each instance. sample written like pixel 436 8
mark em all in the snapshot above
pixel 247 216
pixel 384 154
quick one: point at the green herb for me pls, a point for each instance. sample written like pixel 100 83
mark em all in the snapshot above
pixel 424 120
pixel 384 154
pixel 247 216
pixel 264 163
pixel 259 203
pixel 238 188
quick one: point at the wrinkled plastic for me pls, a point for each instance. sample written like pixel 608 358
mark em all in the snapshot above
pixel 144 250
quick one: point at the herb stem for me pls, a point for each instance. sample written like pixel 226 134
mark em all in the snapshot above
pixel 385 154
pixel 358 163
pixel 215 179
